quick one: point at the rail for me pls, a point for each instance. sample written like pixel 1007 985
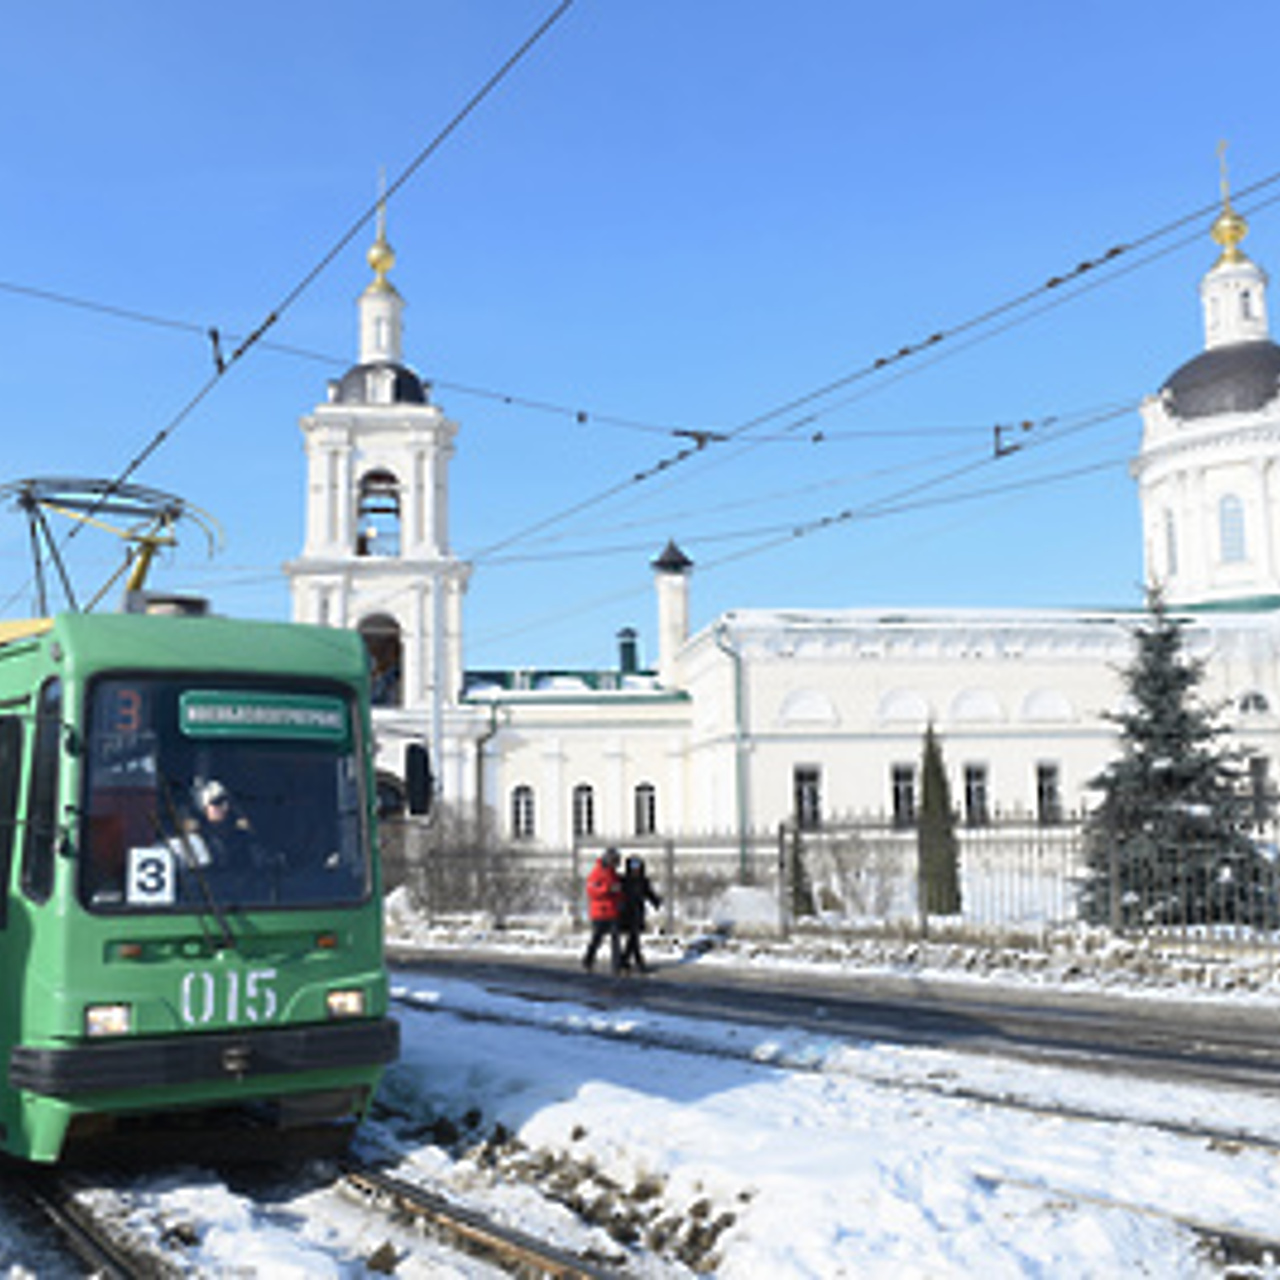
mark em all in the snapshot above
pixel 466 1229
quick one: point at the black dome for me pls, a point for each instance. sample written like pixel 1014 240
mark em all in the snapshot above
pixel 1239 378
pixel 357 382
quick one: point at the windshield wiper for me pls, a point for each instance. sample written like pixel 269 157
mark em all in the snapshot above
pixel 192 861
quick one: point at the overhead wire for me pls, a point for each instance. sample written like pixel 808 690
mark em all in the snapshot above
pixel 911 498
pixel 1019 427
pixel 369 214
pixel 699 439
pixel 224 364
pixel 699 436
pixel 876 366
pixel 577 414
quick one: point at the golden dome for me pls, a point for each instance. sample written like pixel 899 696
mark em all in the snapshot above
pixel 381 256
pixel 1229 228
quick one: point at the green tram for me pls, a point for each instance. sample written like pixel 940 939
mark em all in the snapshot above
pixel 165 971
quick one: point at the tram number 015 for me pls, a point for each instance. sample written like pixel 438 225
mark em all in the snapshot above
pixel 228 997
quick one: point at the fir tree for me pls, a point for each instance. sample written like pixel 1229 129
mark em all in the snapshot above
pixel 1169 842
pixel 937 848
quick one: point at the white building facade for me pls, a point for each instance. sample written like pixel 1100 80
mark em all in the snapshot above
pixel 815 715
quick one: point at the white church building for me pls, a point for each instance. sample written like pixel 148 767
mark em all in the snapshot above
pixel 805 715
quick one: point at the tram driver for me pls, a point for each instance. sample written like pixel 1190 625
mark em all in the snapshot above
pixel 226 835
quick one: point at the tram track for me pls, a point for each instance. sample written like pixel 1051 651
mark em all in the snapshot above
pixel 1228 1243
pixel 1217 1045
pixel 104 1252
pixel 96 1242
pixel 515 1251
pixel 933 1085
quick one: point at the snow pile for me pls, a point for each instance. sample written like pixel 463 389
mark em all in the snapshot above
pixel 867 1162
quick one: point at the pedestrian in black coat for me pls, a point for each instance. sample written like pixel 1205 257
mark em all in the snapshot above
pixel 637 893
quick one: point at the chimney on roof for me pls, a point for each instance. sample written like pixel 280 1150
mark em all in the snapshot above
pixel 671 575
pixel 628 651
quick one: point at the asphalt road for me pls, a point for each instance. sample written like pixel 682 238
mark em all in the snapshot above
pixel 1221 1041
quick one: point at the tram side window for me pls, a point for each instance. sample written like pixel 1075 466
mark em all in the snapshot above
pixel 42 796
pixel 10 774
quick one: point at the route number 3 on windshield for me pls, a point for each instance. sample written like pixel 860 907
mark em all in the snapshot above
pixel 151 878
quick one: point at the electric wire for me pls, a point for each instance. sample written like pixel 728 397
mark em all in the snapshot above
pixel 1031 434
pixel 909 499
pixel 699 436
pixel 224 364
pixel 1004 311
pixel 370 213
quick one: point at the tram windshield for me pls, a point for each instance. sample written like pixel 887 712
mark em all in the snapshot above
pixel 201 794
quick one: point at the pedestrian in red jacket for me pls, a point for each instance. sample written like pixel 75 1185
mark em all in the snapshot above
pixel 604 902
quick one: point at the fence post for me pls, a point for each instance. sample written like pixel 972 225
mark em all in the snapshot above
pixel 922 896
pixel 784 891
pixel 575 887
pixel 669 898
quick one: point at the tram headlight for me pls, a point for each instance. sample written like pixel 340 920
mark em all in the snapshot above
pixel 346 1004
pixel 108 1020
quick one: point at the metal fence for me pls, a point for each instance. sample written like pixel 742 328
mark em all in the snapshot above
pixel 1019 882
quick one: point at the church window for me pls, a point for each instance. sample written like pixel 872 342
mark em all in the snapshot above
pixel 378 515
pixel 1048 793
pixel 523 826
pixel 807 790
pixel 976 812
pixel 1231 529
pixel 584 810
pixel 1246 304
pixel 902 782
pixel 646 798
pixel 1170 544
pixel 382 642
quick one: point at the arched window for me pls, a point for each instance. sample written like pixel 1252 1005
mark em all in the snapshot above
pixel 522 812
pixel 1231 528
pixel 378 515
pixel 381 635
pixel 646 809
pixel 1254 703
pixel 584 810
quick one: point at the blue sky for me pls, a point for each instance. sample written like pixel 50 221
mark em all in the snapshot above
pixel 674 215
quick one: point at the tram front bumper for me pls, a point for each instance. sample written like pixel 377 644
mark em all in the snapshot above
pixel 156 1062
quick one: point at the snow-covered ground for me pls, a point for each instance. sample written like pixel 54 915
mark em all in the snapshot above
pixel 747 1152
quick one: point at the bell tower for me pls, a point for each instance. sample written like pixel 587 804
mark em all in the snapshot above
pixel 376 555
